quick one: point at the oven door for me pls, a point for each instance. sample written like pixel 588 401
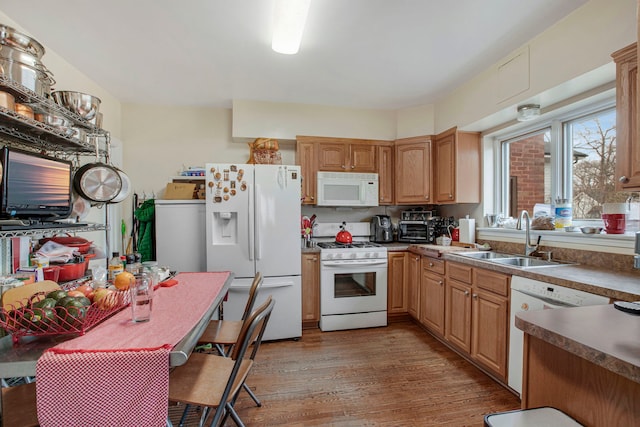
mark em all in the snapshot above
pixel 415 232
pixel 353 286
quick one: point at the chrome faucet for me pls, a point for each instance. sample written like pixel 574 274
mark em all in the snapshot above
pixel 529 248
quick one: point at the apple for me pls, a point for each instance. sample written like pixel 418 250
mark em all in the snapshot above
pixel 87 290
pixel 103 298
pixel 75 293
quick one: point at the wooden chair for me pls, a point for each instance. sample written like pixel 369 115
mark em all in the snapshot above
pixel 213 381
pixel 223 334
pixel 19 406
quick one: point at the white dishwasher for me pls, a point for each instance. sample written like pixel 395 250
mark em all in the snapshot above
pixel 527 295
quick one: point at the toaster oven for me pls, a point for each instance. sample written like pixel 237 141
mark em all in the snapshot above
pixel 417 231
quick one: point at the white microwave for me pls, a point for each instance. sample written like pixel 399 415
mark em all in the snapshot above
pixel 347 189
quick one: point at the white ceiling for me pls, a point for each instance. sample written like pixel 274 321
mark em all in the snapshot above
pixel 382 54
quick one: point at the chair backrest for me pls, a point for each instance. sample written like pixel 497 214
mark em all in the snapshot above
pixel 253 329
pixel 253 294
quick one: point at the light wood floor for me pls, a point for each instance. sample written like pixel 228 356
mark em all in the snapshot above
pixel 393 376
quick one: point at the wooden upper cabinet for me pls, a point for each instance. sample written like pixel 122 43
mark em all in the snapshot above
pixel 456 167
pixel 413 171
pixel 306 158
pixel 385 175
pixel 346 157
pixel 627 151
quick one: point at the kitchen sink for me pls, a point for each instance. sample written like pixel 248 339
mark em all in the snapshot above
pixel 525 262
pixel 485 255
pixel 511 259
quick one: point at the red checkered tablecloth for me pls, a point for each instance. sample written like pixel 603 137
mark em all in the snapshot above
pixel 118 373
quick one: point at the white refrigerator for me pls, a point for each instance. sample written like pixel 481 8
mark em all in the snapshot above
pixel 253 225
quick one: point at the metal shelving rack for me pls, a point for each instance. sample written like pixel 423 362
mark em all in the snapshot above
pixel 29 134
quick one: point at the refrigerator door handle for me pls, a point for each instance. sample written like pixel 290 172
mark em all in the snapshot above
pixel 272 285
pixel 250 226
pixel 258 222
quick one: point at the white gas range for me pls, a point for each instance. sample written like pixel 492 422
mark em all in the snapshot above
pixel 353 279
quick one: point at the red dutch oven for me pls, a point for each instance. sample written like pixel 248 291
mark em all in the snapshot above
pixel 80 244
pixel 74 270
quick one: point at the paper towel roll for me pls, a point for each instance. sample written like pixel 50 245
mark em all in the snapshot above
pixel 467 230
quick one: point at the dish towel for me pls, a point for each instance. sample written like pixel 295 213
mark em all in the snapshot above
pixel 117 374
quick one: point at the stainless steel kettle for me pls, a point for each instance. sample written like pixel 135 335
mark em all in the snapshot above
pixel 381 230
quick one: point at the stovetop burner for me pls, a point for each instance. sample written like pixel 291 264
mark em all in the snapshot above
pixel 336 245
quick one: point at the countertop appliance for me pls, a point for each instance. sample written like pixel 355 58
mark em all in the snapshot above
pixel 252 225
pixel 421 226
pixel 353 279
pixel 347 189
pixel 527 295
pixel 381 230
pixel 180 234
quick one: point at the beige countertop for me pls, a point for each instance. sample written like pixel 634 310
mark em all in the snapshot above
pixel 600 334
pixel 617 285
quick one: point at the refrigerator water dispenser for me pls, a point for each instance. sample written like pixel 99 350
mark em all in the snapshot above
pixel 225 230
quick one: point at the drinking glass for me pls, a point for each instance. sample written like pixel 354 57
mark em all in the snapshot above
pixel 141 298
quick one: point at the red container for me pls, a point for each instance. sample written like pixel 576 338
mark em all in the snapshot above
pixel 82 245
pixel 51 273
pixel 75 270
pixel 614 223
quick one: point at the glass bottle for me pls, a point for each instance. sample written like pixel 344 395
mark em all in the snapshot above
pixel 115 266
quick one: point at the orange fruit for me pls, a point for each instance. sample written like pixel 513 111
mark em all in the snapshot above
pixel 123 280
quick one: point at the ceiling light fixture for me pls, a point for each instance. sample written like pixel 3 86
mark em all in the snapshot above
pixel 528 112
pixel 289 17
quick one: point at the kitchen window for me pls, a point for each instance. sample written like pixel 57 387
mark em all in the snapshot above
pixel 570 156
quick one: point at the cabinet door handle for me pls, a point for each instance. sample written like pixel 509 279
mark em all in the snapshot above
pixel 430 264
pixel 466 293
pixel 440 282
pixel 475 296
pixel 417 258
pixel 353 167
pixel 313 198
pixel 451 196
pixel 314 259
pixel 343 167
pixel 623 179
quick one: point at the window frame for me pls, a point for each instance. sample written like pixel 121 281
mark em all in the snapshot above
pixel 561 153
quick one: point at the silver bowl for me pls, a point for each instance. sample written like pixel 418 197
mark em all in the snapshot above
pixel 591 230
pixel 86 106
pixel 53 120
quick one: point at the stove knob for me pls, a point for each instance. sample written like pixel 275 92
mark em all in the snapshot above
pixel 329 256
pixel 354 255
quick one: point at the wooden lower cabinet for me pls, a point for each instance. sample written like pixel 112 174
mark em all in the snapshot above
pixel 489 334
pixel 397 289
pixel 476 306
pixel 413 285
pixel 310 290
pixel 432 295
pixel 458 308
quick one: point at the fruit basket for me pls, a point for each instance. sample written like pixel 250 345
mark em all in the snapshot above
pixel 67 315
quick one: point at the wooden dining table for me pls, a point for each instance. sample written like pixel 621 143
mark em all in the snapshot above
pixel 117 373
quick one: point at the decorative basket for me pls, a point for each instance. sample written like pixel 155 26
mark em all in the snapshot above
pixel 23 319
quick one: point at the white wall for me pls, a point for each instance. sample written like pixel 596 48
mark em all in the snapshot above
pixel 569 56
pixel 255 119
